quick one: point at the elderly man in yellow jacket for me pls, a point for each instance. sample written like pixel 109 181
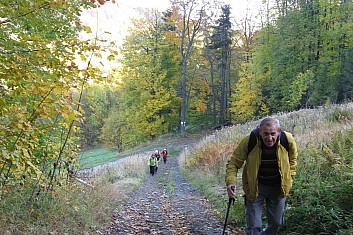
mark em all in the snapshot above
pixel 267 175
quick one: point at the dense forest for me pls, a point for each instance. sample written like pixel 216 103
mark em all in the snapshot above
pixel 192 67
pixel 188 68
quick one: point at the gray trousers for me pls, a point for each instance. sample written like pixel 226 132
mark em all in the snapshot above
pixel 274 202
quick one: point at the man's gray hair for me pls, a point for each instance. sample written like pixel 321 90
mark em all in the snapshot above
pixel 269 121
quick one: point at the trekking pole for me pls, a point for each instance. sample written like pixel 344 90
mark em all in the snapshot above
pixel 229 204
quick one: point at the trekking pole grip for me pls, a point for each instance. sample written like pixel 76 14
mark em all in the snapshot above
pixel 233 189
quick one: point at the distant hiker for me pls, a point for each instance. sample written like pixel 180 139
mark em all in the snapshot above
pixel 267 175
pixel 152 162
pixel 158 157
pixel 164 155
pixel 156 153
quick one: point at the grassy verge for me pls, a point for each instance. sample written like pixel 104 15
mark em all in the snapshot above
pixel 215 192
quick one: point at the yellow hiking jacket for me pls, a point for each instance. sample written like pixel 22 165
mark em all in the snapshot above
pixel 286 161
pixel 152 161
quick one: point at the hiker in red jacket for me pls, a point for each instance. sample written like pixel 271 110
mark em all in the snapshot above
pixel 164 155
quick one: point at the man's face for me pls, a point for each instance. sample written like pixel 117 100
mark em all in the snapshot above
pixel 269 134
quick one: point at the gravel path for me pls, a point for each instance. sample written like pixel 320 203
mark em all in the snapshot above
pixel 166 204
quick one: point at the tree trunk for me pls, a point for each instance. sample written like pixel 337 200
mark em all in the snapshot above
pixel 223 87
pixel 184 97
pixel 189 30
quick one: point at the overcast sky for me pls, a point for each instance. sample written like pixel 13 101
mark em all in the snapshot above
pixel 114 17
pixel 239 7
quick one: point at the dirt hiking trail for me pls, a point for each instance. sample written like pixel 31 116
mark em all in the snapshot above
pixel 166 204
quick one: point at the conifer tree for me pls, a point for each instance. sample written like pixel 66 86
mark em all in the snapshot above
pixel 221 40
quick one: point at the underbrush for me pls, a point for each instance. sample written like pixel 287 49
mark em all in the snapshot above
pixel 67 211
pixel 74 208
pixel 323 199
pixel 323 193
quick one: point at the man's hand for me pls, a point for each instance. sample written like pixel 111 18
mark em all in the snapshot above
pixel 231 191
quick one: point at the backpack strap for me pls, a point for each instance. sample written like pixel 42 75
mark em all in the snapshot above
pixel 254 135
pixel 284 141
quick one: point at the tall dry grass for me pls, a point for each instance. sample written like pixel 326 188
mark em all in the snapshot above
pixel 77 208
pixel 309 126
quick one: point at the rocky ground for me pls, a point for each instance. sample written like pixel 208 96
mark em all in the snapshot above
pixel 166 204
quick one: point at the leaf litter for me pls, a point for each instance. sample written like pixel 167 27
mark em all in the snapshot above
pixel 155 209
